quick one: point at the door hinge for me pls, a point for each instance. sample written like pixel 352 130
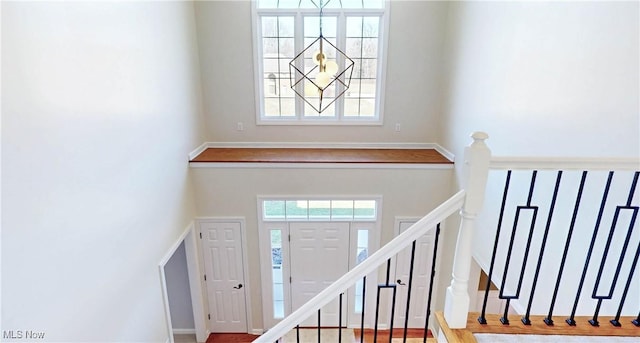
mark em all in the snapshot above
pixel 205 277
pixel 209 316
pixel 200 235
pixel 290 279
pixel 289 238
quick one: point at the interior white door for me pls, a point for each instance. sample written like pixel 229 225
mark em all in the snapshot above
pixel 319 253
pixel 423 260
pixel 222 248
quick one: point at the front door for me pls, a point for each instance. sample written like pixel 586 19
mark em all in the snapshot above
pixel 223 259
pixel 319 255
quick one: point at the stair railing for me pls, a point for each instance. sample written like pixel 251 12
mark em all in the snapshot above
pixel 589 288
pixel 468 203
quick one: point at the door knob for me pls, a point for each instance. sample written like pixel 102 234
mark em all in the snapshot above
pixel 238 286
pixel 400 282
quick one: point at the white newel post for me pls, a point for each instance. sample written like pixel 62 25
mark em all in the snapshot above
pixel 476 170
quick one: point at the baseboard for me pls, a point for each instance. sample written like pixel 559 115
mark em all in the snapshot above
pixel 197 151
pixel 441 337
pixel 184 331
pixel 444 152
pixel 256 332
pixel 331 145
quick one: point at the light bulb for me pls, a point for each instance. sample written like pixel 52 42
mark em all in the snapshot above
pixel 310 89
pixel 331 67
pixel 318 56
pixel 323 79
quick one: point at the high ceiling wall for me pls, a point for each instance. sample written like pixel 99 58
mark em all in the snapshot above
pixel 531 74
pixel 412 93
pixel 544 78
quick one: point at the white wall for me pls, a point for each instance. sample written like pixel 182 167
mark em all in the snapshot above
pixel 233 192
pixel 412 95
pixel 544 78
pixel 100 108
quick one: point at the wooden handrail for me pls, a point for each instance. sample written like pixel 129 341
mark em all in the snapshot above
pixel 564 163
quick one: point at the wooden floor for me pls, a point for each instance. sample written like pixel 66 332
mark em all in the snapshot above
pixel 383 336
pixel 231 338
pixel 321 155
pixel 538 327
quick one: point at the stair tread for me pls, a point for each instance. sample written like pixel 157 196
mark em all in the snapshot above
pixel 454 335
pixel 538 327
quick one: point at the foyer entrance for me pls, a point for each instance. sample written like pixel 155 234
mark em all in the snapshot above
pixel 300 258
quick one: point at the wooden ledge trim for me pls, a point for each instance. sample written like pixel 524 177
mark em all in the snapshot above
pixel 321 155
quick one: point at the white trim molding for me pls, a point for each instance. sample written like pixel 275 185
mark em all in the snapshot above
pixel 197 151
pixel 564 163
pixel 444 152
pixel 188 237
pixel 333 145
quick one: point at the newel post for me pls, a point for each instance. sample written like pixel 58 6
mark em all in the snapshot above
pixel 476 169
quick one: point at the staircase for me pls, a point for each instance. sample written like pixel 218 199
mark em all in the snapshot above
pixel 546 269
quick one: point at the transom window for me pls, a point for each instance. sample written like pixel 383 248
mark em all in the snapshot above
pixel 324 210
pixel 283 28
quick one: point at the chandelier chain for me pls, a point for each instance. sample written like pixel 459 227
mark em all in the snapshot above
pixel 321 8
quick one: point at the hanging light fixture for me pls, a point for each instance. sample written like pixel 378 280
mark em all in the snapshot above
pixel 327 79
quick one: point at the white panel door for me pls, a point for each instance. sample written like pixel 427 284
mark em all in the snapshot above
pixel 420 283
pixel 222 248
pixel 319 253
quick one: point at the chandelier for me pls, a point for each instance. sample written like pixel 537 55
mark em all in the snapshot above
pixel 322 82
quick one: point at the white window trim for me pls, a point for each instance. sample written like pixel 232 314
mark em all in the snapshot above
pixel 376 198
pixel 383 39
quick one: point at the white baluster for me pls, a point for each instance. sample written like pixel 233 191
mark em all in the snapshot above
pixel 476 169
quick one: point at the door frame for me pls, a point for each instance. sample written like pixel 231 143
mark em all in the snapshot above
pixel 265 228
pixel 188 236
pixel 245 268
pixel 266 225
